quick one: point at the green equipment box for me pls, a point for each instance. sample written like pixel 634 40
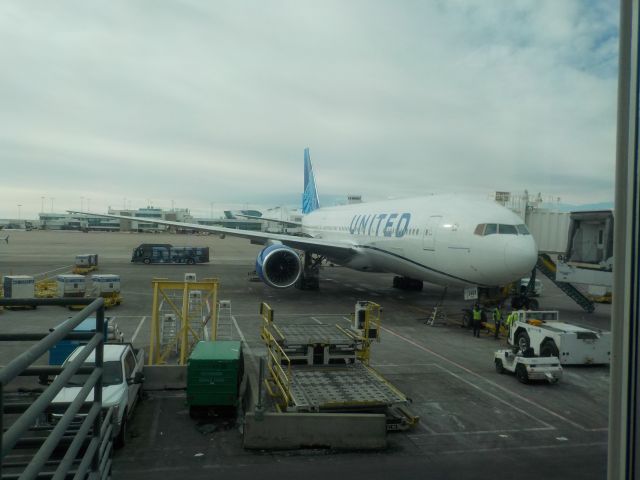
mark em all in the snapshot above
pixel 214 374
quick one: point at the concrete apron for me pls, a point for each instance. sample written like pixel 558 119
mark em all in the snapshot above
pixel 315 430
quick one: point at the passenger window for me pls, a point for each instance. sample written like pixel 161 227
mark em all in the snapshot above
pixel 491 229
pixel 507 229
pixel 479 229
pixel 522 229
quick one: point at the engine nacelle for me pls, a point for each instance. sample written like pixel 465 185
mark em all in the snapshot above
pixel 279 266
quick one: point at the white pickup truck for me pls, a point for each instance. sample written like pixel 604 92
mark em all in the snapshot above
pixel 122 379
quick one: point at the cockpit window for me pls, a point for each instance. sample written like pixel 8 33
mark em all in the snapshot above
pixel 507 229
pixel 491 229
pixel 484 229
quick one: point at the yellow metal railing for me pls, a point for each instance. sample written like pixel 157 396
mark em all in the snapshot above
pixel 278 382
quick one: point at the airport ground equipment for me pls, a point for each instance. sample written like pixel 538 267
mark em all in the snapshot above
pixel 528 367
pixel 107 286
pixel 322 368
pixel 224 331
pixel 183 314
pixel 88 446
pixel 18 286
pixel 548 267
pixel 121 388
pixel 214 374
pixel 547 336
pixel 165 253
pixel 61 350
pixel 85 263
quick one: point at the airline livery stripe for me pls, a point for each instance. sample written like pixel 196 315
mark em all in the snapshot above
pixel 420 265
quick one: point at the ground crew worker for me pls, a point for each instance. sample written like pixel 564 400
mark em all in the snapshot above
pixel 477 320
pixel 497 320
pixel 510 319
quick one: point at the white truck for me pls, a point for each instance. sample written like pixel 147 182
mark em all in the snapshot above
pixel 122 379
pixel 549 337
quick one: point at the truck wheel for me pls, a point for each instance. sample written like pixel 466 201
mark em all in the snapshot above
pixel 121 439
pixel 522 340
pixel 549 349
pixel 146 261
pixel 190 261
pixel 521 373
pixel 499 366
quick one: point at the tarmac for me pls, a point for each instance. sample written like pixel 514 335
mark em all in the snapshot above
pixel 474 423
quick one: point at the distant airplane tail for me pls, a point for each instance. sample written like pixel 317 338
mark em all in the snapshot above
pixel 6 239
pixel 310 196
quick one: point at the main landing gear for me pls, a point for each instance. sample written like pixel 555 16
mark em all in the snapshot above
pixel 310 276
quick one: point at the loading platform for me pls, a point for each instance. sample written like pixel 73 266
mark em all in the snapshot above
pixel 320 368
pixel 343 388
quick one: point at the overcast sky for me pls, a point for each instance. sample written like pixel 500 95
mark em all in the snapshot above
pixel 208 101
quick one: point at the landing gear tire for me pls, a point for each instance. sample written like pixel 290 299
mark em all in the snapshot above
pixel 521 373
pixel 405 283
pixel 549 349
pixel 499 366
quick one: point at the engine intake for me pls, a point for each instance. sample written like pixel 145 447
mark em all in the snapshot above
pixel 279 266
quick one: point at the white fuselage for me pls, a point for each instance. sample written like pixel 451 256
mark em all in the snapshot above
pixel 435 239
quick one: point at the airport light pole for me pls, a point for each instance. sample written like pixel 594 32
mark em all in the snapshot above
pixel 19 206
pixel 51 198
pixel 41 204
pixel 81 204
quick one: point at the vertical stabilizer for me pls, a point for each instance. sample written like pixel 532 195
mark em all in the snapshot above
pixel 310 195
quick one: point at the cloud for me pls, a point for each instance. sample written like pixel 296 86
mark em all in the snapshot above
pixel 198 102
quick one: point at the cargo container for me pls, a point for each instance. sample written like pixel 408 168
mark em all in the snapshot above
pixel 87 260
pixel 214 374
pixel 18 286
pixel 61 350
pixel 164 253
pixel 105 284
pixel 71 285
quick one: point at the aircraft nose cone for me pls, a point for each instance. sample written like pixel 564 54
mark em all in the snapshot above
pixel 520 255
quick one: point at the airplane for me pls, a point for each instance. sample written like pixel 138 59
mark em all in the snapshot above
pixel 447 240
pixel 6 239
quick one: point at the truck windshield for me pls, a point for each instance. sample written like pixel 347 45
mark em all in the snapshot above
pixel 111 375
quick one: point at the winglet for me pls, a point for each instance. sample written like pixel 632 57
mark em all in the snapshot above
pixel 310 196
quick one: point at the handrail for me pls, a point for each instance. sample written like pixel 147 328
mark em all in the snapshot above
pixel 22 366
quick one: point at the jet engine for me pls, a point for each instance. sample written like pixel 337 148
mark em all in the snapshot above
pixel 279 266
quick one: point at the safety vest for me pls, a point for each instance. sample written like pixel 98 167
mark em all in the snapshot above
pixel 477 314
pixel 497 314
pixel 511 318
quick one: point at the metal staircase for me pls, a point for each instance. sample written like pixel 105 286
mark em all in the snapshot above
pixel 548 268
pixel 224 330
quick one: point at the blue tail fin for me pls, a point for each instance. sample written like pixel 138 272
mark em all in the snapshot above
pixel 310 195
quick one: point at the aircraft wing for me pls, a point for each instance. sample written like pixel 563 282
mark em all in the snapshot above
pixel 334 250
pixel 267 219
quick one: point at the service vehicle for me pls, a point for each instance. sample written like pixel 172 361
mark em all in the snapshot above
pixel 122 380
pixel 549 337
pixel 165 253
pixel 527 366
